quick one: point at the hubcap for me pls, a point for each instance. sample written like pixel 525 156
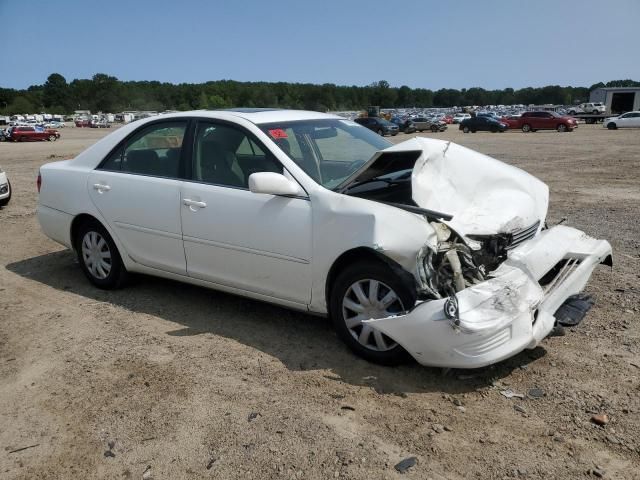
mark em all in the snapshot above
pixel 367 299
pixel 96 255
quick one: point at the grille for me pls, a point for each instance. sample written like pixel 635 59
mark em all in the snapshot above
pixel 522 235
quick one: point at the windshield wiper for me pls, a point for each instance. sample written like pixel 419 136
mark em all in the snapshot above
pixel 389 181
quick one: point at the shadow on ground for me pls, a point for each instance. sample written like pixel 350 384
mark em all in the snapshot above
pixel 300 341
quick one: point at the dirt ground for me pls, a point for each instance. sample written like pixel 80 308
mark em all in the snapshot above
pixel 169 381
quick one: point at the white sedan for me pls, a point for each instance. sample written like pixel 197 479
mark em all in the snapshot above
pixel 5 189
pixel 626 120
pixel 424 247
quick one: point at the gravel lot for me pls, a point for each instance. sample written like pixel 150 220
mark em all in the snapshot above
pixel 183 382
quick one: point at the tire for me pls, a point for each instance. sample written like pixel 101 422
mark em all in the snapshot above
pixel 52 138
pixel 465 129
pixel 473 131
pixel 572 112
pixel 595 112
pixel 5 201
pixel 494 130
pixel 374 347
pixel 561 128
pixel 380 132
pixel 92 242
pixel 434 129
pixel 612 126
pixel 526 128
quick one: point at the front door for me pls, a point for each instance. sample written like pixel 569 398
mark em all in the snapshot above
pixel 253 242
pixel 137 191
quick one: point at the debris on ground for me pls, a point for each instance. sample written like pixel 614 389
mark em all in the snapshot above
pixel 511 394
pixel 406 464
pixel 535 393
pixel 600 419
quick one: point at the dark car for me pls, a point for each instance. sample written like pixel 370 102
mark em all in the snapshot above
pixel 482 124
pixel 405 126
pixel 378 125
pixel 545 120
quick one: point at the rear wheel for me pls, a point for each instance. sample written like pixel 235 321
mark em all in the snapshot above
pixel 364 291
pixel 99 256
pixel 612 126
pixel 526 128
pixel 562 128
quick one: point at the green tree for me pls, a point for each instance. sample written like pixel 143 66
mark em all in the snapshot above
pixel 20 105
pixel 56 92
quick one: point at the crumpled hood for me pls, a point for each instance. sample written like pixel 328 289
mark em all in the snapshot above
pixel 484 195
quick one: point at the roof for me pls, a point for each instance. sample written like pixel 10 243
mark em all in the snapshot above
pixel 616 88
pixel 270 115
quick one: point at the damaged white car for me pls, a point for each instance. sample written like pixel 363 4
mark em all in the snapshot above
pixel 425 247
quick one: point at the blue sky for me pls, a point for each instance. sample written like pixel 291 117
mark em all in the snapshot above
pixel 430 44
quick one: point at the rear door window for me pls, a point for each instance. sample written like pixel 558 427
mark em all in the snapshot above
pixel 154 150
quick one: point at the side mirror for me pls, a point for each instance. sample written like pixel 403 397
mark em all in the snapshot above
pixel 271 183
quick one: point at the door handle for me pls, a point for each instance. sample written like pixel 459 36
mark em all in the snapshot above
pixel 101 187
pixel 193 203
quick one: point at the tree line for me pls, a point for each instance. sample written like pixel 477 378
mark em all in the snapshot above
pixel 108 94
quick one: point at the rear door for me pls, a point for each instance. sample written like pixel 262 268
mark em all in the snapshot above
pixel 137 191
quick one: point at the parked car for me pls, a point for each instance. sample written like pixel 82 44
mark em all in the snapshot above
pixel 594 108
pixel 423 247
pixel 574 110
pixel 448 119
pixel 626 120
pixel 379 125
pixel 424 123
pixel 511 120
pixel 405 126
pixel 82 122
pixel 482 124
pixel 3 135
pixel 545 120
pixel 5 189
pixel 100 124
pixel 458 117
pixel 29 134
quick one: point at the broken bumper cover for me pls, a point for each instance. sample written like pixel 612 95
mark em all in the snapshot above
pixel 512 311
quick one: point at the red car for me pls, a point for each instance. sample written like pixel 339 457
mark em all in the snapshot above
pixel 28 134
pixel 448 119
pixel 532 121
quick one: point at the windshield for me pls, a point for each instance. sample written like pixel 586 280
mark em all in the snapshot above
pixel 328 150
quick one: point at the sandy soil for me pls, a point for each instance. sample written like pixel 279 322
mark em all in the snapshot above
pixel 183 382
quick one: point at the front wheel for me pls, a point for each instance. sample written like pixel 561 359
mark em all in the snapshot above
pixel 380 132
pixel 434 129
pixel 99 256
pixel 526 128
pixel 562 128
pixel 52 138
pixel 611 126
pixel 364 291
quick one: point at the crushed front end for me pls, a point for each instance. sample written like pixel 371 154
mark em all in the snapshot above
pixel 471 316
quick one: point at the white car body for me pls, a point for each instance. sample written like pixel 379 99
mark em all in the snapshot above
pixel 5 188
pixel 458 117
pixel 594 108
pixel 626 120
pixel 281 248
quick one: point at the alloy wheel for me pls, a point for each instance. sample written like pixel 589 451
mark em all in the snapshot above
pixel 367 299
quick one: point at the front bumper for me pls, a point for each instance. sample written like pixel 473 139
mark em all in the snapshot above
pixel 4 190
pixel 506 314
